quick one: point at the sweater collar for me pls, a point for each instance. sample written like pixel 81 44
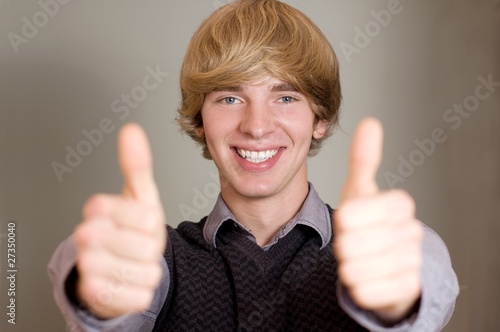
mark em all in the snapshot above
pixel 314 213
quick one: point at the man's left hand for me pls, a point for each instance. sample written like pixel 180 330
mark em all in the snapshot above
pixel 377 238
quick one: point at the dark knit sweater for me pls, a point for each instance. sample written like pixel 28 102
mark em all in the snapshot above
pixel 237 286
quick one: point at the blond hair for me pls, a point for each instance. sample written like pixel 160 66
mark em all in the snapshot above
pixel 247 40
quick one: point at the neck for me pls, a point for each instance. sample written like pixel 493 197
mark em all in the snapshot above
pixel 266 216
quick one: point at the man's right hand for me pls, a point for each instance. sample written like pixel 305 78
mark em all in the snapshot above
pixel 122 237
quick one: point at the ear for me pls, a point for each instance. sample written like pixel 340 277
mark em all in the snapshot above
pixel 320 129
pixel 200 132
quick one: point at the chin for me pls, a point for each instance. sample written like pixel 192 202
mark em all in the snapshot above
pixel 254 189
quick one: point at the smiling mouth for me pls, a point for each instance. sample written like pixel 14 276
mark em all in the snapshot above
pixel 256 157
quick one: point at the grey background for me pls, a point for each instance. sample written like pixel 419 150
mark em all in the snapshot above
pixel 65 78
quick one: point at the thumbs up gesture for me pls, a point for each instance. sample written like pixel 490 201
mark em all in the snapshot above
pixel 377 238
pixel 122 237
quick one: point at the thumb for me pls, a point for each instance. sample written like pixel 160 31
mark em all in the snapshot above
pixel 364 160
pixel 136 164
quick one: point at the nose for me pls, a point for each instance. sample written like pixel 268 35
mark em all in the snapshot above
pixel 258 120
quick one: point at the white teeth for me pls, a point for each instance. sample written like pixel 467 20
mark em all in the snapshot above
pixel 257 157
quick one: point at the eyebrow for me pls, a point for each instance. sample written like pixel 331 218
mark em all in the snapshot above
pixel 283 87
pixel 278 87
pixel 229 89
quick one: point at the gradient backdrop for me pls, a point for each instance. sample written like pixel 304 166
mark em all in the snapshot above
pixel 67 67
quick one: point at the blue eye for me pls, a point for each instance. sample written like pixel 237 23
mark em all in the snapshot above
pixel 229 100
pixel 287 99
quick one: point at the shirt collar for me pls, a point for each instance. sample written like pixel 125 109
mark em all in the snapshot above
pixel 313 213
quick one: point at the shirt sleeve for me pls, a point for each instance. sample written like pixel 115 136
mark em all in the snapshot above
pixel 439 292
pixel 77 319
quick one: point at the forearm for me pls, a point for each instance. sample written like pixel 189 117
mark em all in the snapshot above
pixel 62 263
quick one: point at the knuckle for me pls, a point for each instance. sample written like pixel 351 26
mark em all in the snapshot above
pixel 150 249
pixel 344 275
pixel 410 284
pixel 83 235
pixel 404 199
pixel 347 274
pixel 346 208
pixel 95 204
pixel 419 230
pixel 90 290
pixel 359 295
pixel 154 275
pixel 157 248
pixel 85 263
pixel 79 235
pixel 409 260
pixel 417 261
pixel 88 233
pixel 341 218
pixel 339 249
pixel 342 208
pixel 154 220
pixel 144 300
pixel 416 230
pixel 157 274
pixel 415 287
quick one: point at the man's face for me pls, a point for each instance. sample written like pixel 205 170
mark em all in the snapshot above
pixel 259 136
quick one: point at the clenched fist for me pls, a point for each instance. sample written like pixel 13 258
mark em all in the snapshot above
pixel 377 238
pixel 122 237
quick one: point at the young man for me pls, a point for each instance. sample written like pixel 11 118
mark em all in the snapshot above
pixel 260 93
